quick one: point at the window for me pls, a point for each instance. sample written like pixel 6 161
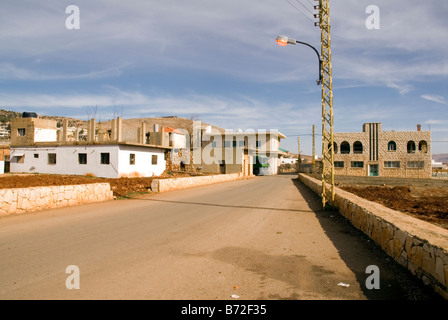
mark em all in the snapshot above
pixel 36 155
pixel 357 147
pixel 52 158
pixel 339 164
pixel 391 164
pixel 258 144
pixel 335 147
pixel 21 132
pixel 391 146
pixel 411 147
pixel 345 147
pixel 423 146
pixel 154 159
pixel 416 164
pixel 357 164
pixel 82 158
pixel 132 159
pixel 105 158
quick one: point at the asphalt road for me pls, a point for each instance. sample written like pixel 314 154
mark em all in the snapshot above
pixel 262 238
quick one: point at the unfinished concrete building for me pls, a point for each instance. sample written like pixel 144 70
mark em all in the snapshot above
pixel 374 152
pixel 38 145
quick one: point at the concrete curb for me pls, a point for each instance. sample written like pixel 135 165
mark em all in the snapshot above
pixel 164 185
pixel 417 245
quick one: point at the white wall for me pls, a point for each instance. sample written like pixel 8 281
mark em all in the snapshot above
pixel 288 160
pixel 143 166
pixel 45 135
pixel 178 140
pixel 66 160
pixel 2 167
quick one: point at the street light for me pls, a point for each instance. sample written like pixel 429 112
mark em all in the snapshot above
pixel 284 41
pixel 325 79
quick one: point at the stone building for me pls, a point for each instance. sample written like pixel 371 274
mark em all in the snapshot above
pixel 374 152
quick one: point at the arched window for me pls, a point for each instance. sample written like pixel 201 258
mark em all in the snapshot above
pixel 411 147
pixel 392 146
pixel 423 146
pixel 335 147
pixel 357 147
pixel 345 147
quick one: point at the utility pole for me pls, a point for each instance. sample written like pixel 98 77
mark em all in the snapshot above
pixel 313 161
pixel 299 160
pixel 327 105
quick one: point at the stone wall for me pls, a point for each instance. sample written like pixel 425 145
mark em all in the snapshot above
pixel 419 246
pixel 40 198
pixel 164 185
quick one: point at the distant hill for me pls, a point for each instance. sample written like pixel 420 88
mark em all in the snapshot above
pixel 443 157
pixel 173 122
pixel 7 115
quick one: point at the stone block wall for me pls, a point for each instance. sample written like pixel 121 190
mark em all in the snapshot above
pixel 422 153
pixel 419 246
pixel 23 200
pixel 164 185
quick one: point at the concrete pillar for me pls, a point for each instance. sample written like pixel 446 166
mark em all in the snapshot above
pixel 119 129
pixel 64 130
pixel 143 132
pixel 92 130
pixel 162 139
pixel 113 127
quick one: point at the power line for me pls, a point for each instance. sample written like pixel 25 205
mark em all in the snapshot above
pixel 306 16
pixel 304 6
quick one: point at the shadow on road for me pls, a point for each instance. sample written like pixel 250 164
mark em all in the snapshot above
pixel 358 252
pixel 219 205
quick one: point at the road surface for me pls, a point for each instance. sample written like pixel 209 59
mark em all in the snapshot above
pixel 261 238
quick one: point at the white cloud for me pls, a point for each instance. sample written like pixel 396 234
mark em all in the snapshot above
pixel 434 98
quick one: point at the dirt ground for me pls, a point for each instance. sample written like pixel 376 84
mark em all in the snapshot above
pixel 122 187
pixel 425 199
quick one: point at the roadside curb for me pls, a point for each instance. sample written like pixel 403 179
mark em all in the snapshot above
pixel 165 185
pixel 417 245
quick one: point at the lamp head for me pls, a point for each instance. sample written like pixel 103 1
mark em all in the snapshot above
pixel 283 41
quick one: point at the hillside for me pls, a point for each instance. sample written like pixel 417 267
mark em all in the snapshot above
pixel 443 157
pixel 6 116
pixel 173 122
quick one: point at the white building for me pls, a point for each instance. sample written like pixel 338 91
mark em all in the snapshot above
pixel 236 151
pixel 38 146
pixel 109 161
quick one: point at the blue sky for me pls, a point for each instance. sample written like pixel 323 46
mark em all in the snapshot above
pixel 218 62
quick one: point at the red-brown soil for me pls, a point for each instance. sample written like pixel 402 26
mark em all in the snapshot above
pixel 120 186
pixel 428 203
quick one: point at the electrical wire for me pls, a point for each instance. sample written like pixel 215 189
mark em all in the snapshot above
pixel 306 16
pixel 305 7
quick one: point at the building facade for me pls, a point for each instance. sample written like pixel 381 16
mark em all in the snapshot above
pixel 374 152
pixel 38 146
pixel 247 152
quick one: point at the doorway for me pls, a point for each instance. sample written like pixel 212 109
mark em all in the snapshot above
pixel 373 170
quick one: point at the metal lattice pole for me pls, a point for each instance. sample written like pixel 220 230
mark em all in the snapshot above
pixel 327 106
